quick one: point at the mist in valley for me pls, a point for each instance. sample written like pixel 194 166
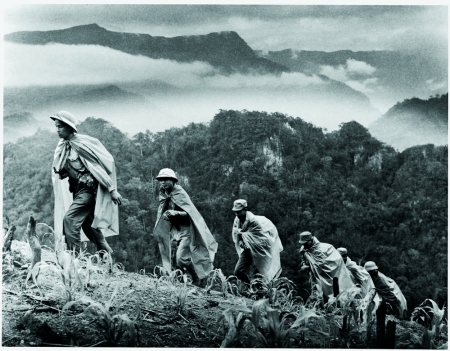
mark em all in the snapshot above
pixel 166 93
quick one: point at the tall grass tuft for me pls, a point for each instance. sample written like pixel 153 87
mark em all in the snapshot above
pixel 217 279
pixel 113 326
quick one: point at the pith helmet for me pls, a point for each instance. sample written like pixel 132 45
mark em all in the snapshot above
pixel 67 118
pixel 166 173
pixel 304 237
pixel 342 250
pixel 239 205
pixel 370 266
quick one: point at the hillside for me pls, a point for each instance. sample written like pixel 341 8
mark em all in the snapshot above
pixel 346 187
pixel 99 304
pixel 414 122
pixel 225 50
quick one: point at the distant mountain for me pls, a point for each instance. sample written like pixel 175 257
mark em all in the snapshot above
pixel 30 98
pixel 19 120
pixel 225 50
pixel 18 125
pixel 414 122
pixel 395 75
pixel 42 101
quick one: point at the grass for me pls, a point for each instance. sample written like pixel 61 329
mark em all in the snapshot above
pixel 112 325
pixel 217 279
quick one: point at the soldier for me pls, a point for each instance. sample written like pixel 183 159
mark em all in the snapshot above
pixel 387 289
pixel 324 263
pixel 256 241
pixel 179 220
pixel 90 171
pixel 359 275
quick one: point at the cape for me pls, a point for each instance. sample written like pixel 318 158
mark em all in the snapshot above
pixel 261 236
pixel 401 301
pixel 203 245
pixel 95 157
pixel 360 276
pixel 326 263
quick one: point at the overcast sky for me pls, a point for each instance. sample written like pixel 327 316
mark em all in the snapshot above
pixel 422 30
pixel 268 27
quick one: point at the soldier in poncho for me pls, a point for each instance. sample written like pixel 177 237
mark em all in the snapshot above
pixel 178 220
pixel 387 289
pixel 82 166
pixel 360 277
pixel 324 263
pixel 257 242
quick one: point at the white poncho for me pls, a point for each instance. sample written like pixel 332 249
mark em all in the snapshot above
pixel 260 235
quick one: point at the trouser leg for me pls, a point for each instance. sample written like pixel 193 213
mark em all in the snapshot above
pixel 183 256
pixel 95 235
pixel 242 265
pixel 80 215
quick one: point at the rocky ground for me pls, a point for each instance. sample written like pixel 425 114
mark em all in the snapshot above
pixel 145 311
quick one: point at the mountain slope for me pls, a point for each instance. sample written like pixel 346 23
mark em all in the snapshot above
pixel 226 50
pixel 346 187
pixel 414 122
pixel 27 109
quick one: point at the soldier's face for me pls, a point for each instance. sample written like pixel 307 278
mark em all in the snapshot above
pixel 64 131
pixel 167 183
pixel 240 214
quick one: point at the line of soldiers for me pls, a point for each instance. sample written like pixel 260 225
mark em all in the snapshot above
pixel 324 263
pixel 82 166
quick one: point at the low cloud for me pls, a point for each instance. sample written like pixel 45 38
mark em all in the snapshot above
pixel 356 74
pixel 58 64
pixel 288 80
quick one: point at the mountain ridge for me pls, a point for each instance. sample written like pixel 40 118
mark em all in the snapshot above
pixel 226 50
pixel 414 121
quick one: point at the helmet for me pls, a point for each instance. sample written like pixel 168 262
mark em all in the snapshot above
pixel 67 118
pixel 304 237
pixel 166 173
pixel 239 205
pixel 370 266
pixel 342 250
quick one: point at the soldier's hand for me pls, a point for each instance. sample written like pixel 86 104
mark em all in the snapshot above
pixel 169 213
pixel 304 268
pixel 116 197
pixel 241 244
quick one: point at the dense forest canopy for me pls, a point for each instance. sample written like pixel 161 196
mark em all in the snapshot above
pixel 346 187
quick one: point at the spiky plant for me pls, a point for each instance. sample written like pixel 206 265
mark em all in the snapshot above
pixel 112 325
pixel 217 279
pixel 167 278
pixel 271 289
pixel 180 294
pixel 270 329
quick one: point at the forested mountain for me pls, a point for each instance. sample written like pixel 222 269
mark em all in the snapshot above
pixel 346 187
pixel 414 122
pixel 226 50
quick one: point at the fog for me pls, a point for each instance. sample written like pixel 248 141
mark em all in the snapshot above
pixel 175 94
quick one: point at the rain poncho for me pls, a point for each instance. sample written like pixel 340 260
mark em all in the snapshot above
pixel 389 291
pixel 359 276
pixel 203 245
pixel 260 235
pixel 97 160
pixel 326 263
